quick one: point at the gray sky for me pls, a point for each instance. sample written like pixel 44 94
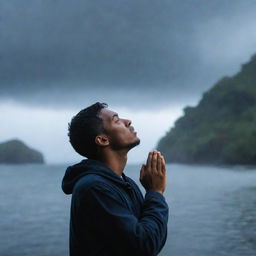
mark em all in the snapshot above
pixel 130 53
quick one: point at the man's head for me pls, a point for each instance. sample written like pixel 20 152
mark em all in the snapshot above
pixel 97 127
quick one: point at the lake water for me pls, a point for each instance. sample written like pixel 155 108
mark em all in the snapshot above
pixel 212 211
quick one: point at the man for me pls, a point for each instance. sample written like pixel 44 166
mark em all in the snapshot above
pixel 109 216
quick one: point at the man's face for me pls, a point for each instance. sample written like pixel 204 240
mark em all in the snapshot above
pixel 119 131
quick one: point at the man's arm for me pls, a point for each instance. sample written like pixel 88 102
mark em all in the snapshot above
pixel 109 219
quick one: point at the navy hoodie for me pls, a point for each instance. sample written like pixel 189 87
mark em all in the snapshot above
pixel 109 215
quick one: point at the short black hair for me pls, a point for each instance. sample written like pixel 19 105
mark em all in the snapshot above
pixel 83 129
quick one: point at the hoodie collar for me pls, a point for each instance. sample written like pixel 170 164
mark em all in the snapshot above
pixel 85 167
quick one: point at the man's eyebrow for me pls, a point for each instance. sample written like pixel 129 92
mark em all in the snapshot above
pixel 115 115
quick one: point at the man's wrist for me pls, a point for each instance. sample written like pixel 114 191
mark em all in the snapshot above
pixel 155 190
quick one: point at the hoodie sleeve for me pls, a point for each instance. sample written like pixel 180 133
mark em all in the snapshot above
pixel 108 217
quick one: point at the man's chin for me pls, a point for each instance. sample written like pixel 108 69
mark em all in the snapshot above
pixel 134 144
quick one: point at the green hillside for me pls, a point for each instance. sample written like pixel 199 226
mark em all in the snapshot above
pixel 221 129
pixel 16 152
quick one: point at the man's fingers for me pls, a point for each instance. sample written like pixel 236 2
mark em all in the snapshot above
pixel 142 171
pixel 149 160
pixel 152 175
pixel 154 161
pixel 159 162
pixel 163 160
pixel 163 165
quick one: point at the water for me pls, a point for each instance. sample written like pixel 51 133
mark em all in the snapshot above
pixel 212 211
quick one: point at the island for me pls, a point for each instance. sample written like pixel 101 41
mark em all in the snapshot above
pixel 17 152
pixel 221 129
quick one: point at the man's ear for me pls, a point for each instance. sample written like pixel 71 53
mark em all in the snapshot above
pixel 102 140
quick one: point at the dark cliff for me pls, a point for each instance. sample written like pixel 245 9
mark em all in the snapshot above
pixel 221 129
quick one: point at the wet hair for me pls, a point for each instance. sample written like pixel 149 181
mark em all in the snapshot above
pixel 83 129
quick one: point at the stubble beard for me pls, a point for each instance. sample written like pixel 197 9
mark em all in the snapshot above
pixel 134 144
pixel 127 147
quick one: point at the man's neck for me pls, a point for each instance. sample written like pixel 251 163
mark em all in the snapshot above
pixel 114 160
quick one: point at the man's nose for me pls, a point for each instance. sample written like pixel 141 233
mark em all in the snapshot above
pixel 127 122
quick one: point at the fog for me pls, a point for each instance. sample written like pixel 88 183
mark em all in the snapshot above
pixel 46 130
pixel 146 59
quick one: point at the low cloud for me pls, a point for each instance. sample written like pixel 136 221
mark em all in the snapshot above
pixel 140 53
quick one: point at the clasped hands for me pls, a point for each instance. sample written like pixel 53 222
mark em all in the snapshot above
pixel 153 173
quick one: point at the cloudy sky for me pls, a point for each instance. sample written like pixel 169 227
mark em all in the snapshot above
pixel 147 59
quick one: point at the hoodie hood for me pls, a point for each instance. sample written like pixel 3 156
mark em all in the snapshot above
pixel 89 166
